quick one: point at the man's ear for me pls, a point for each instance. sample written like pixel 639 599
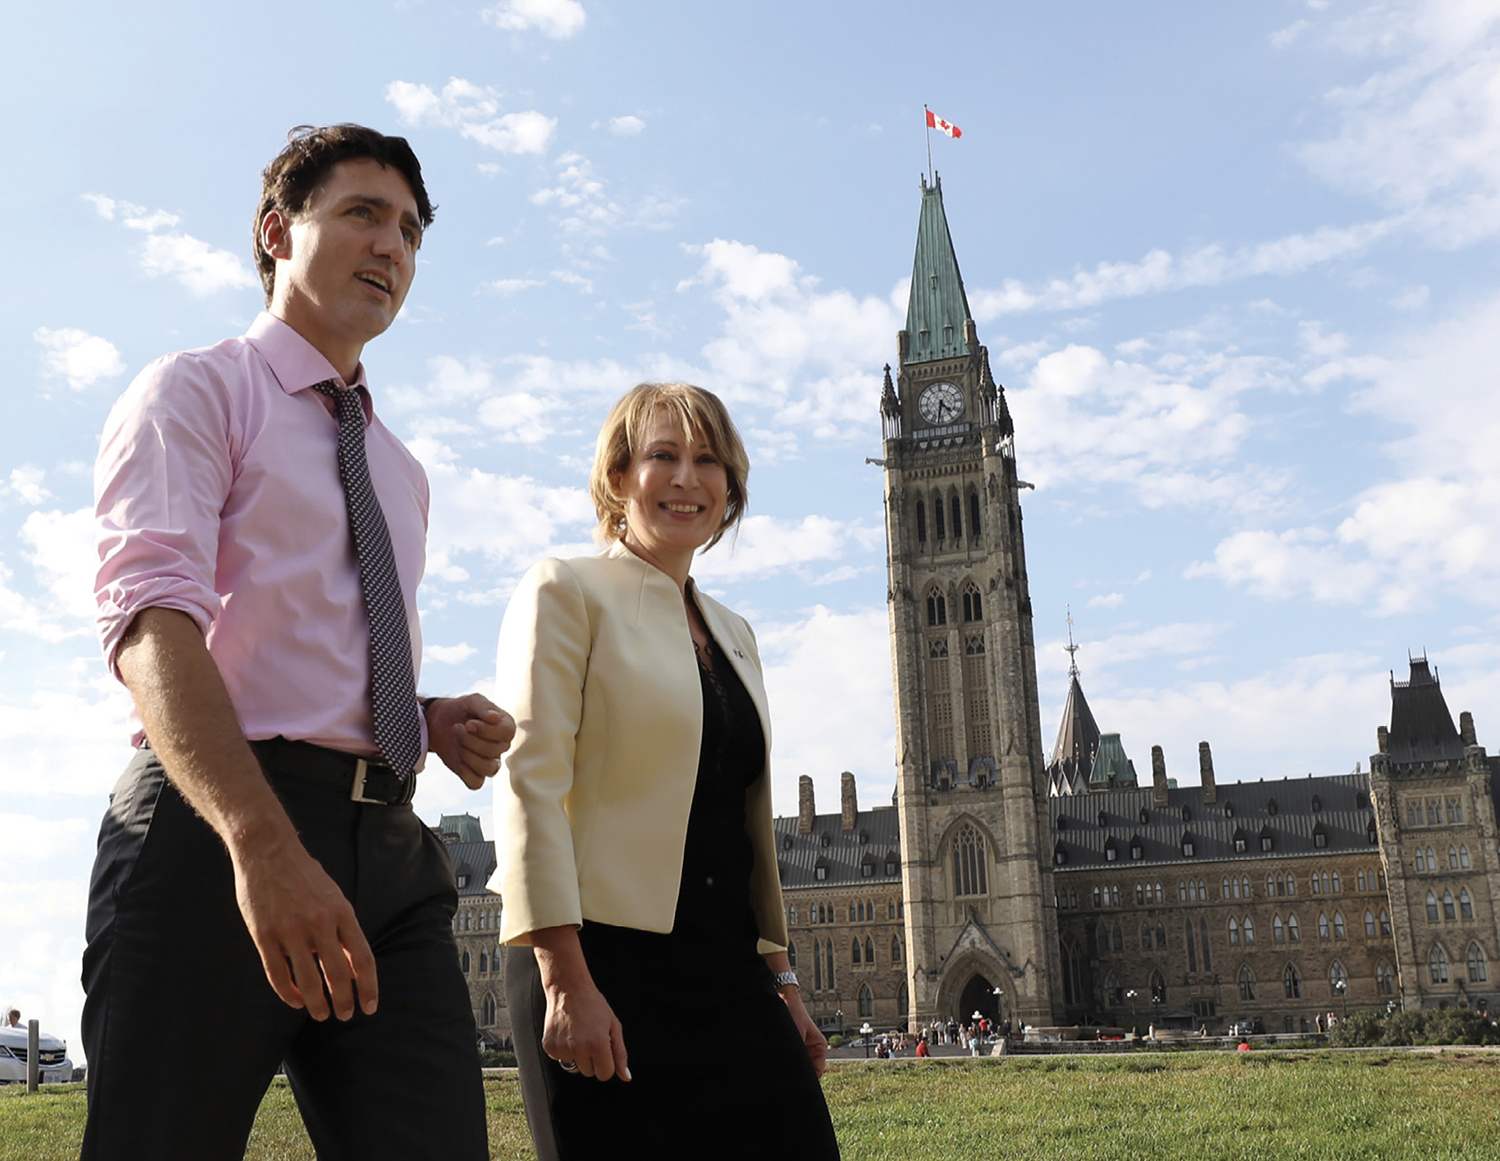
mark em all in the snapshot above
pixel 276 234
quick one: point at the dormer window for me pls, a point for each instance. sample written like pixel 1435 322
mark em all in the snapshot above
pixel 1059 855
pixel 820 870
pixel 1111 851
pixel 1186 814
pixel 1136 849
pixel 1265 839
pixel 1187 846
pixel 1241 841
pixel 1271 807
pixel 1103 819
pixel 1317 804
pixel 1145 817
pixel 825 840
pixel 787 842
pixel 1229 810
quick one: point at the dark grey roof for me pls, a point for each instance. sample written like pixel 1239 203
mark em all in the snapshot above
pixel 877 834
pixel 1421 727
pixel 1284 810
pixel 477 860
pixel 1077 742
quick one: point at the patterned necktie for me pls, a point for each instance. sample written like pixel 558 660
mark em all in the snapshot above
pixel 393 688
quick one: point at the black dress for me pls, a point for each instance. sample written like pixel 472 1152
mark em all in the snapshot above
pixel 718 1065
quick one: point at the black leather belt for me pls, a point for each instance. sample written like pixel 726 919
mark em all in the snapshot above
pixel 366 781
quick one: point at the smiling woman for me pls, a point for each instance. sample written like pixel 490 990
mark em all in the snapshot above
pixel 637 805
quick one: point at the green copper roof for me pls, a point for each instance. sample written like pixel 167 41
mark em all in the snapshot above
pixel 1111 767
pixel 936 311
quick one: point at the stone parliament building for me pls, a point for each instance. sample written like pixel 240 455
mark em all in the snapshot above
pixel 1053 887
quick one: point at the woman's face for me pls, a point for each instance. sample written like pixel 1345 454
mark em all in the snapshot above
pixel 675 489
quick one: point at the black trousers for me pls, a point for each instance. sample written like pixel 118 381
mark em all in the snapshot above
pixel 183 1032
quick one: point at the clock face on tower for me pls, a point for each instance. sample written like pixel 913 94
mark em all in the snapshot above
pixel 941 403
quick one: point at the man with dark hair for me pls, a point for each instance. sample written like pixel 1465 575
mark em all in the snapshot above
pixel 260 869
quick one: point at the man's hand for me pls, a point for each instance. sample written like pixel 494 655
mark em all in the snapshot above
pixel 469 734
pixel 305 930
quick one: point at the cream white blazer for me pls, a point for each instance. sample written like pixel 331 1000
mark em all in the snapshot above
pixel 596 664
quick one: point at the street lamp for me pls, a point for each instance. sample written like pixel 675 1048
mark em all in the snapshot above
pixel 838 1018
pixel 866 1031
pixel 1340 988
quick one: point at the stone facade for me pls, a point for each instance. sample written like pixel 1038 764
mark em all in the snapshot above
pixel 846 919
pixel 476 923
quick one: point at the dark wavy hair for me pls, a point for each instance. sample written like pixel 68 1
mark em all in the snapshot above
pixel 294 175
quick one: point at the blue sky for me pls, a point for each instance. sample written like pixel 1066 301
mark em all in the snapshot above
pixel 1235 266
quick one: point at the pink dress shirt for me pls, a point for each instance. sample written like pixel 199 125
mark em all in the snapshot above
pixel 217 494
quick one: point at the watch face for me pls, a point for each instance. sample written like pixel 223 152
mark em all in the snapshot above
pixel 941 403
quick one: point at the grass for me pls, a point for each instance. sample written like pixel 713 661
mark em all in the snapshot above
pixel 1212 1107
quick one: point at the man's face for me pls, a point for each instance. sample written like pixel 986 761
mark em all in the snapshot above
pixel 345 263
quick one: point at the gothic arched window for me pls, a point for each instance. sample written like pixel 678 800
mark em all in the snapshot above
pixel 969 876
pixel 869 951
pixel 895 949
pixel 974 528
pixel 1385 979
pixel 958 518
pixel 921 522
pixel 1437 964
pixel 937 608
pixel 866 1000
pixel 855 954
pixel 1291 981
pixel 973 604
pixel 939 523
pixel 1478 971
pixel 1247 983
pixel 488 1010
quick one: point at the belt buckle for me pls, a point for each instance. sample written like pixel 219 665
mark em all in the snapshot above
pixel 357 790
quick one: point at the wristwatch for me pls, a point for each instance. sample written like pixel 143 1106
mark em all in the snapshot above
pixel 786 980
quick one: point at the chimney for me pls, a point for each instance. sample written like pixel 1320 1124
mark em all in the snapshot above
pixel 1158 777
pixel 846 800
pixel 1466 728
pixel 805 810
pixel 1206 773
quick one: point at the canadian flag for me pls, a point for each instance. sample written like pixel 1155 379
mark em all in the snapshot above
pixel 948 127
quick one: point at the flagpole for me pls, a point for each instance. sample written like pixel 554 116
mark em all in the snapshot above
pixel 927 127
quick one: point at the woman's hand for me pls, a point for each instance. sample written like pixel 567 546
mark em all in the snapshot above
pixel 581 1029
pixel 817 1045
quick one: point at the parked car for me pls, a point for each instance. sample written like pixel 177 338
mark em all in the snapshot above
pixel 54 1065
pixel 1242 1028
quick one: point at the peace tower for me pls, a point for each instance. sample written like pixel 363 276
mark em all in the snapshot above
pixel 972 793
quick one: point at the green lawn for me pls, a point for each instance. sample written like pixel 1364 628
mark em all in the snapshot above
pixel 1264 1105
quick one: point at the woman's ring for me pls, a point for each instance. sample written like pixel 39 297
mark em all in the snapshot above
pixel 567 1067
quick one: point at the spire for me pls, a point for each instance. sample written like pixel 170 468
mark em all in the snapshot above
pixel 938 308
pixel 995 395
pixel 1073 758
pixel 889 404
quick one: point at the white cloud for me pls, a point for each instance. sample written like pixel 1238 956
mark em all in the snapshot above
pixel 1165 431
pixel 558 19
pixel 567 277
pixel 509 286
pixel 25 483
pixel 1421 133
pixel 770 544
pixel 447 654
pixel 1433 526
pixel 193 262
pixel 77 356
pixel 1160 271
pixel 786 346
pixel 626 126
pixel 474 111
pixel 818 734
pixel 1107 601
pixel 62 552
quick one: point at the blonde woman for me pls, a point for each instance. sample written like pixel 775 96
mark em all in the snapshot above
pixel 646 971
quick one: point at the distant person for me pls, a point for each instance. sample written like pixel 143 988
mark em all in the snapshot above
pixel 13 1018
pixel 261 536
pixel 639 870
pixel 922 1050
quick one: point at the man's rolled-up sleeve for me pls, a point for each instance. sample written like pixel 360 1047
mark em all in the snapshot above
pixel 161 481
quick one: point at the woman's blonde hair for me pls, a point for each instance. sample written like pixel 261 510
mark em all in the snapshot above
pixel 698 412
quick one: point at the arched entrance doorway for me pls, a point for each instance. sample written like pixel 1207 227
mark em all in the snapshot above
pixel 978 996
